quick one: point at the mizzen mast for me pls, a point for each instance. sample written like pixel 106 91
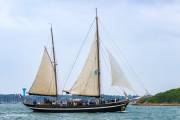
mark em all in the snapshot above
pixel 54 60
pixel 98 53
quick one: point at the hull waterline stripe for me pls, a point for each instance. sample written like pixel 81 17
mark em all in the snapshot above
pixel 35 108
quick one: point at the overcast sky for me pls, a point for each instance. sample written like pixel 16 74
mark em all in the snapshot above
pixel 146 31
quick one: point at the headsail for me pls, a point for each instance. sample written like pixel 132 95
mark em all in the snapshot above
pixel 44 83
pixel 118 77
pixel 87 83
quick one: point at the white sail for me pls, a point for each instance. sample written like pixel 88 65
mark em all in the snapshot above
pixel 118 77
pixel 87 83
pixel 44 83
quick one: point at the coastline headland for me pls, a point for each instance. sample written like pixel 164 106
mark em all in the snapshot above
pixel 167 98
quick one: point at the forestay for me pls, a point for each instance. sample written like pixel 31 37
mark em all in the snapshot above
pixel 87 82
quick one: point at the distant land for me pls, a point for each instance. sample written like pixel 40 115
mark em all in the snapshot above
pixel 10 98
pixel 167 98
pixel 17 98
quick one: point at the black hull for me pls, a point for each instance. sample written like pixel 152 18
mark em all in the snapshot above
pixel 110 107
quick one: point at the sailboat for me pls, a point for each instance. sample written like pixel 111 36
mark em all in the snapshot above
pixel 88 83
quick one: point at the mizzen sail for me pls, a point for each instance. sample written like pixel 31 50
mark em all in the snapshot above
pixel 44 83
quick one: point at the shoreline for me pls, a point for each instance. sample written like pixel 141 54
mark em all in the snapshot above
pixel 157 104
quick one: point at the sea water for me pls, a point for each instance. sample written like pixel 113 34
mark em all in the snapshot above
pixel 20 112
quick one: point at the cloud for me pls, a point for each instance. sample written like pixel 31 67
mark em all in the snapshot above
pixel 146 31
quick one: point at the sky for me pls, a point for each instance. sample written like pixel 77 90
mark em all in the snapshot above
pixel 143 34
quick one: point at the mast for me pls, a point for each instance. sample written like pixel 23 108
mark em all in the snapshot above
pixel 98 53
pixel 54 60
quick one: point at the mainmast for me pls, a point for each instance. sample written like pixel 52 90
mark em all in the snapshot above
pixel 98 53
pixel 86 84
pixel 54 60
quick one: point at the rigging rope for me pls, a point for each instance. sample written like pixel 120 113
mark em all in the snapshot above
pixel 104 58
pixel 76 58
pixel 126 60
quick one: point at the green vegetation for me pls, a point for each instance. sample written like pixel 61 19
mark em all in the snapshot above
pixel 170 96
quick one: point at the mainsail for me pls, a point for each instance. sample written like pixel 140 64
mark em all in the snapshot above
pixel 44 83
pixel 118 77
pixel 87 83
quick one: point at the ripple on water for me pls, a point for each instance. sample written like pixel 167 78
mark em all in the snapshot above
pixel 20 112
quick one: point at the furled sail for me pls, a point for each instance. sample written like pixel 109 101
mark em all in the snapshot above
pixel 118 77
pixel 87 82
pixel 44 83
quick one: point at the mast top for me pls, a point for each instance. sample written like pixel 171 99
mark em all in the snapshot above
pixel 96 13
pixel 50 24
